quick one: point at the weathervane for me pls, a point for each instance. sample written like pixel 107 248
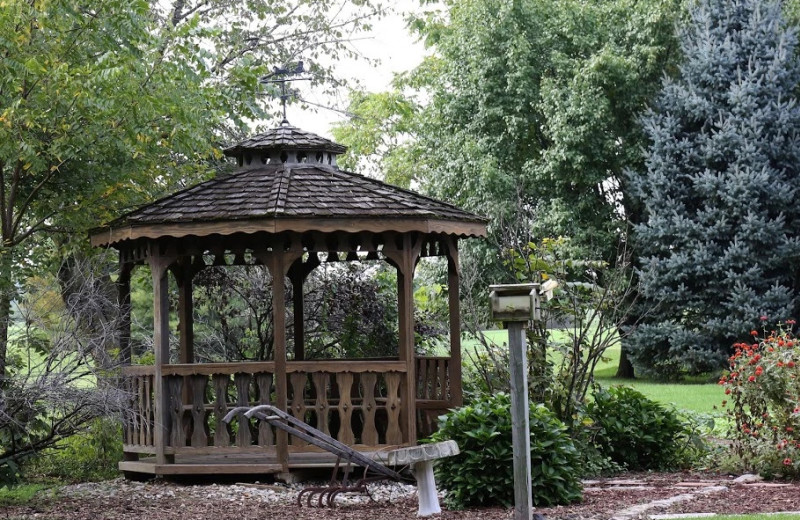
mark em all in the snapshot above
pixel 279 76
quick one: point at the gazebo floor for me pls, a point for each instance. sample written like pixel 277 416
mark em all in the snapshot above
pixel 236 463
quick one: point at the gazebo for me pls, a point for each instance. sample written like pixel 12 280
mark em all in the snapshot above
pixel 289 208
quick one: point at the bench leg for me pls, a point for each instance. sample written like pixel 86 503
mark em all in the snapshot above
pixel 426 489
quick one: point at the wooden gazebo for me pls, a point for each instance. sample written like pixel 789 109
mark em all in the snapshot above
pixel 287 207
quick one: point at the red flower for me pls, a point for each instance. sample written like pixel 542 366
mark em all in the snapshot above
pixel 754 333
pixel 751 378
pixel 787 461
pixel 759 371
pixel 790 322
pixel 727 391
pixel 790 364
pixel 763 318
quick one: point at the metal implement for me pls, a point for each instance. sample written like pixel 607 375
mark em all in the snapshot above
pixel 325 495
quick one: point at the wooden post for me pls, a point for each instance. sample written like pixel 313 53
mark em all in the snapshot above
pixel 405 260
pixel 277 261
pixel 124 300
pixel 185 314
pixel 520 421
pixel 454 369
pixel 279 326
pixel 297 279
pixel 158 268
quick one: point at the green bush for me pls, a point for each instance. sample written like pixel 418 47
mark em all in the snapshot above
pixel 482 474
pixel 639 433
pixel 87 456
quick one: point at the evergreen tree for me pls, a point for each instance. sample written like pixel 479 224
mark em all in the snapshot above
pixel 720 243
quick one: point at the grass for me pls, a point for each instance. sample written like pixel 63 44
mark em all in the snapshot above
pixel 21 494
pixel 747 517
pixel 695 395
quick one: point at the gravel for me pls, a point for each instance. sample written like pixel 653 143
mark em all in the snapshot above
pixel 603 499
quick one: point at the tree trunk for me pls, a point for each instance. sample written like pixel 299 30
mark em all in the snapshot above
pixel 6 296
pixel 625 368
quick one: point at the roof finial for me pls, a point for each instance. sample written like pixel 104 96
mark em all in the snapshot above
pixel 282 79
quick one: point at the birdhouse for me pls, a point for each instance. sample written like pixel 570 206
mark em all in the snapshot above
pixel 515 302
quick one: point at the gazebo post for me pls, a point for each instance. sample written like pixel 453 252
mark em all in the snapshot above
pixel 297 278
pixel 277 262
pixel 159 265
pixel 124 300
pixel 183 276
pixel 454 308
pixel 405 261
pixel 279 326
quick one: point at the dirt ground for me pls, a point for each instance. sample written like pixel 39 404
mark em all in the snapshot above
pixel 603 499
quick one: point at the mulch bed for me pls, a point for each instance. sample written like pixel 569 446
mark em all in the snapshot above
pixel 603 499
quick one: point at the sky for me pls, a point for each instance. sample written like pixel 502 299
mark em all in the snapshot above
pixel 389 43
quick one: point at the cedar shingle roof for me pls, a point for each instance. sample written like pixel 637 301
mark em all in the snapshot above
pixel 289 196
pixel 287 137
pixel 293 191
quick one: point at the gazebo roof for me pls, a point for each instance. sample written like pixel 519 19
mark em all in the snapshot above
pixel 289 196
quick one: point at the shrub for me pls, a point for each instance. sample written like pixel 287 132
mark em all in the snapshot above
pixel 637 432
pixel 482 474
pixel 86 456
pixel 764 389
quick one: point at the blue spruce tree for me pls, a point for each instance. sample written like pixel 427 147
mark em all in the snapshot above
pixel 721 240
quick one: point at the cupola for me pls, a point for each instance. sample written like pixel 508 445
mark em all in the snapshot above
pixel 285 144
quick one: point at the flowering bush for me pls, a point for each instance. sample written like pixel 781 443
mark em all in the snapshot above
pixel 763 387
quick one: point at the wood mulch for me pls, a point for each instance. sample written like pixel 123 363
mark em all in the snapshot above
pixel 603 499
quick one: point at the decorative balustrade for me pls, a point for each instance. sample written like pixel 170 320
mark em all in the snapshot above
pixel 358 402
pixel 138 434
pixel 433 392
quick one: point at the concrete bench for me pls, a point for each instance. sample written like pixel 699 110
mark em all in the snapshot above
pixel 421 458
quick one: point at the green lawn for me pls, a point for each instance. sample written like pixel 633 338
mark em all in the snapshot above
pixel 697 396
pixel 746 517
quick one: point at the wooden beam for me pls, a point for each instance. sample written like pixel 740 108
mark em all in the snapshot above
pixel 110 236
pixel 278 262
pixel 454 307
pixel 124 301
pixel 405 260
pixel 298 272
pixel 184 276
pixel 159 265
pixel 298 313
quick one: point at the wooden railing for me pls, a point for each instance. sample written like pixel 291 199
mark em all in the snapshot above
pixel 139 432
pixel 433 392
pixel 357 402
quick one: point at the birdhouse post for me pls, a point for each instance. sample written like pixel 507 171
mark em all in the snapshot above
pixel 516 305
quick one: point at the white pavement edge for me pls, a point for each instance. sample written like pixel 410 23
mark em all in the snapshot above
pixel 639 509
pixel 708 515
